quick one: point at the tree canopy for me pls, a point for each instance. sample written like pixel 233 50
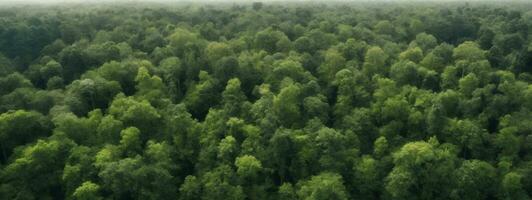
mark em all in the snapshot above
pixel 266 101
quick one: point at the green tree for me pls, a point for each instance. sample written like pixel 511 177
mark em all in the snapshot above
pixel 149 87
pixel 425 41
pixel 352 91
pixel 88 190
pixel 385 27
pixel 130 141
pixel 374 62
pixel 173 74
pixel 13 81
pixel 202 95
pixel 366 177
pixel 21 127
pixel 412 54
pixel 421 171
pixel 468 51
pixel 475 180
pixel 135 113
pixel 233 98
pixel 181 39
pixel 323 186
pixel 406 72
pixel 248 167
pixel 36 169
pixel 216 50
pixel 512 187
pixel 287 105
pixel 269 40
pixel 287 192
pixel 333 62
pixel 219 183
pixel 190 189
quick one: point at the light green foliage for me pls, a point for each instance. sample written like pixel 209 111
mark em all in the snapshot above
pixel 512 186
pixel 331 147
pixel 380 146
pixel 78 168
pixel 219 183
pixel 149 87
pixel 135 113
pixel 265 100
pixel 438 58
pixel 420 170
pixel 467 135
pixel 81 130
pixel 414 153
pixel 412 54
pixel 332 63
pixel 190 189
pixel 87 191
pixel 287 104
pixel 216 50
pixel 130 141
pixel 227 148
pixel 323 186
pixel 468 51
pixel 248 166
pixel 286 192
pixel 468 84
pixel 289 69
pixel 46 161
pixel 374 62
pixel 181 38
pixel 20 127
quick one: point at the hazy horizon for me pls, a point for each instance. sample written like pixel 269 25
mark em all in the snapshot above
pixel 236 1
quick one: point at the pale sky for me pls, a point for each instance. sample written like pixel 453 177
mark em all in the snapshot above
pixel 89 1
pixel 249 1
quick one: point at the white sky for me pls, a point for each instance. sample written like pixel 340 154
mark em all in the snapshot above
pixel 89 1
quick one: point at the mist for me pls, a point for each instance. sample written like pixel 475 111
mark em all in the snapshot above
pixel 227 1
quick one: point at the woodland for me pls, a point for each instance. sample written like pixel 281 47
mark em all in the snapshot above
pixel 266 101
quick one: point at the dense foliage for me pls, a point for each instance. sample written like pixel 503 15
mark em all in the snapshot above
pixel 266 101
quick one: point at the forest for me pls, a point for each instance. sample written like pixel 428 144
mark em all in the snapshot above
pixel 266 101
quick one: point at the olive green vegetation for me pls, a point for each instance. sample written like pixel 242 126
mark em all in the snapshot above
pixel 266 101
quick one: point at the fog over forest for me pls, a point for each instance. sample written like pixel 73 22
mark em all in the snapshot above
pixel 236 1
